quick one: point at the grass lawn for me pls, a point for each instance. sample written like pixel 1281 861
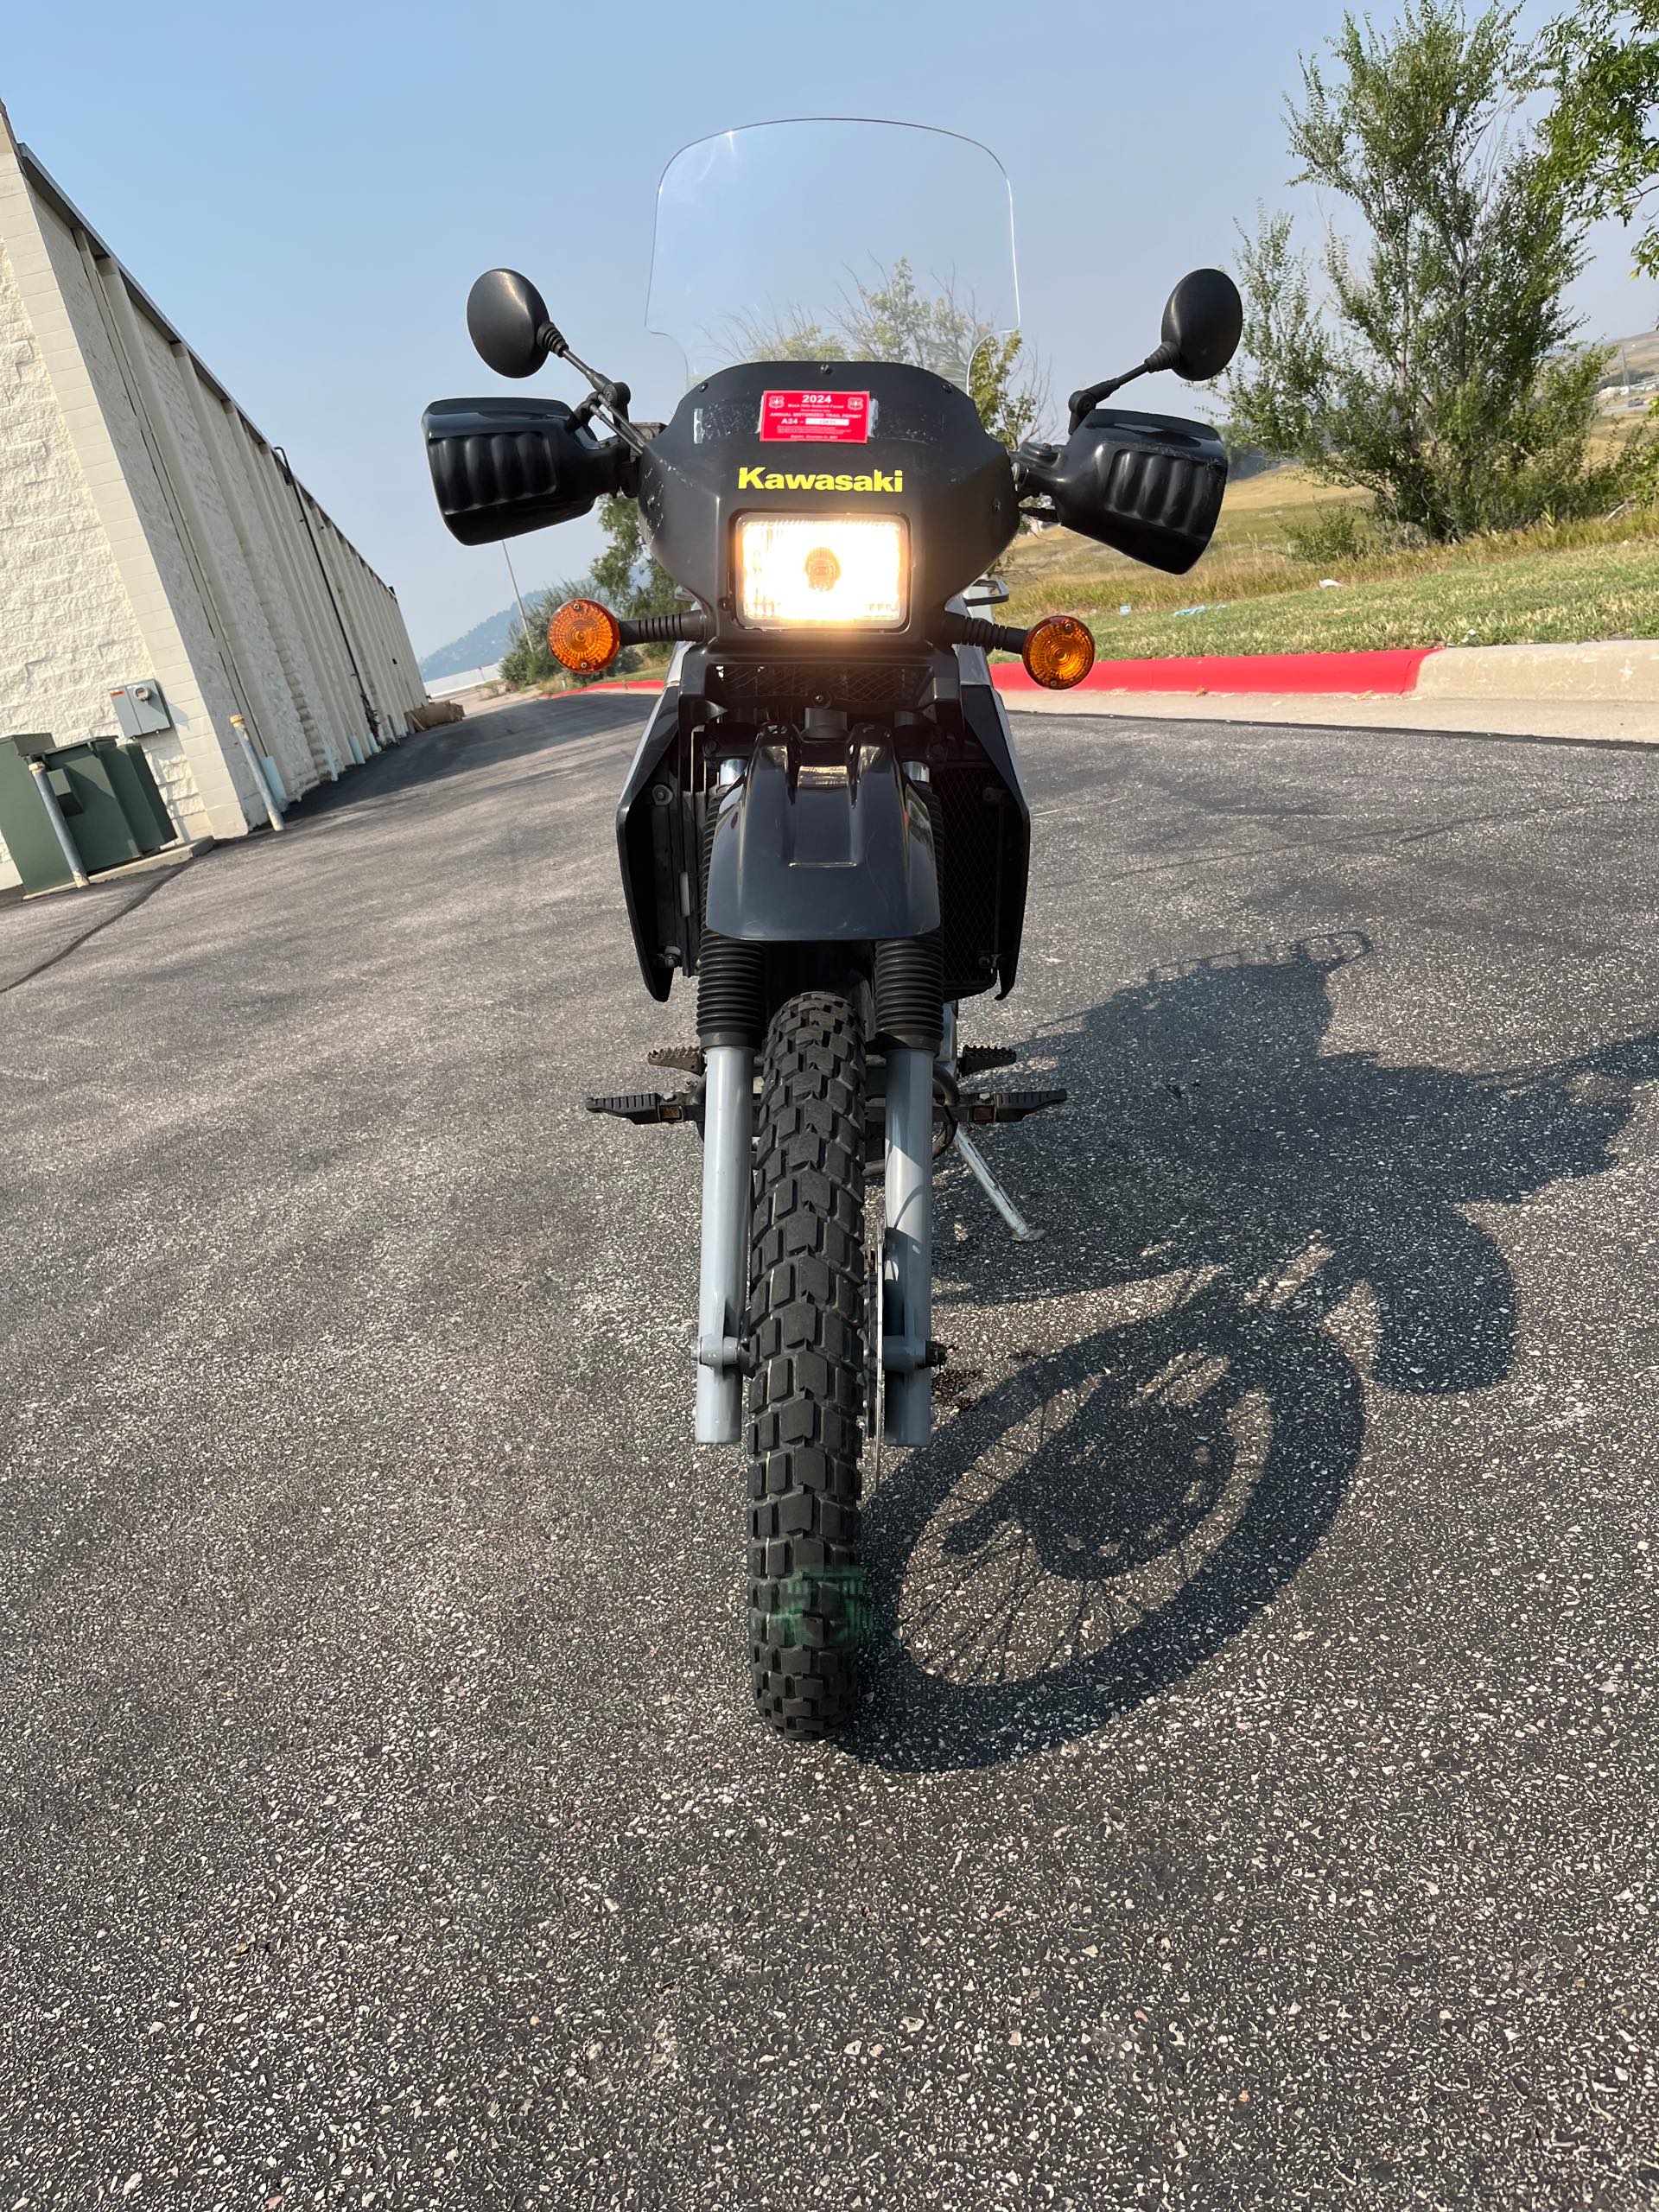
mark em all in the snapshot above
pixel 1593 580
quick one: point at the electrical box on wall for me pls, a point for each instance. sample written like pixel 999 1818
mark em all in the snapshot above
pixel 140 708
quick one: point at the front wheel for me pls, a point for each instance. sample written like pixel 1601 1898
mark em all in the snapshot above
pixel 808 1609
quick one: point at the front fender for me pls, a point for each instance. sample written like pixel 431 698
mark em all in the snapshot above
pixel 830 853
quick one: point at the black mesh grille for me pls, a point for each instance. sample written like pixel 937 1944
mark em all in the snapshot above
pixel 831 683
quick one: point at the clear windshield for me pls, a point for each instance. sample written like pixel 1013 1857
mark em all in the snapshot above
pixel 834 241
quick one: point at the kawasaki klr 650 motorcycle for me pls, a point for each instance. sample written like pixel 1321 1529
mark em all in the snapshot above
pixel 824 821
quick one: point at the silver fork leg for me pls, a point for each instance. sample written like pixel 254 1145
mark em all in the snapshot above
pixel 724 1285
pixel 907 1260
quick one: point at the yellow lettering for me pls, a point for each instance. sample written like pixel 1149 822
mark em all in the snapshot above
pixel 758 478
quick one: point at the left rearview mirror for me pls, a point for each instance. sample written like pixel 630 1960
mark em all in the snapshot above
pixel 506 317
pixel 1203 323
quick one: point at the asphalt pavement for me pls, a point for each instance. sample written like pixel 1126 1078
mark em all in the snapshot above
pixel 1254 1803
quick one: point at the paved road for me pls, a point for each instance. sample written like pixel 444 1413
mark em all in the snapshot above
pixel 1255 1800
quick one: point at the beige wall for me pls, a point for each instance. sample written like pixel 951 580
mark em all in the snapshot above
pixel 148 529
pixel 66 615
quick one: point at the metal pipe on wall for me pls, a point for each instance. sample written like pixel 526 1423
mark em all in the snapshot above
pixel 60 827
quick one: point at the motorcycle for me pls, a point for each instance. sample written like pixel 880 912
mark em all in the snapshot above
pixel 824 823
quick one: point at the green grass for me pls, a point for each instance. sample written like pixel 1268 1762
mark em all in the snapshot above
pixel 1555 583
pixel 1611 592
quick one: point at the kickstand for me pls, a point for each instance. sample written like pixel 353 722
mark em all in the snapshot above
pixel 878 1402
pixel 1021 1230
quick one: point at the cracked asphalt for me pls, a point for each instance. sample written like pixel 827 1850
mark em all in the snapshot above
pixel 1254 1801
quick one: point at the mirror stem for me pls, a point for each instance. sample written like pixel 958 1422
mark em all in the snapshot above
pixel 614 398
pixel 1082 404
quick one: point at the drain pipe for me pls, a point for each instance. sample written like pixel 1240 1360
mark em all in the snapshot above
pixel 273 812
pixel 60 827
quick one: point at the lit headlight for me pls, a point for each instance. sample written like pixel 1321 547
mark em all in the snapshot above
pixel 847 568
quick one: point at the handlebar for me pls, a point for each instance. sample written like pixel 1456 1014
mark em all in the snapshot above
pixel 691 626
pixel 974 630
pixel 687 628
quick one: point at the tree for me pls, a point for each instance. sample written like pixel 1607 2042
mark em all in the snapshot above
pixel 1439 373
pixel 894 320
pixel 1604 148
pixel 528 658
pixel 627 579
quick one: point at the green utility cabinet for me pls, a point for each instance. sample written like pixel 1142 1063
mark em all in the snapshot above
pixel 133 781
pixel 108 797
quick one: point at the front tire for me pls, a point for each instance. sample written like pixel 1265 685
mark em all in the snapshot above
pixel 808 1609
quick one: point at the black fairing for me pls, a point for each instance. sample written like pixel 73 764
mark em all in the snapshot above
pixel 952 483
pixel 1150 485
pixel 977 872
pixel 502 467
pixel 830 852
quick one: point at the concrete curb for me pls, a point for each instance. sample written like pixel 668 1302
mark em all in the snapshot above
pixel 1622 669
pixel 1600 721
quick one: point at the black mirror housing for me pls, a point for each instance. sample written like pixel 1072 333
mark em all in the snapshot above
pixel 1149 485
pixel 503 467
pixel 506 317
pixel 1204 320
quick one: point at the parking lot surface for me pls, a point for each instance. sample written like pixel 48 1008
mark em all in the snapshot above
pixel 1255 1799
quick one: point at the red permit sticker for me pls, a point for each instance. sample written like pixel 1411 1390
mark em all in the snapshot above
pixel 837 418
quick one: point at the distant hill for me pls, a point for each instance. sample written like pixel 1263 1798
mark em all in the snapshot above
pixel 1636 354
pixel 484 643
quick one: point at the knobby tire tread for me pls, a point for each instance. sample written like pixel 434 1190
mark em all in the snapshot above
pixel 808 1609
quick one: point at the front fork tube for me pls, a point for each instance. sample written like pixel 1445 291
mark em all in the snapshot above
pixel 907 1255
pixel 723 1286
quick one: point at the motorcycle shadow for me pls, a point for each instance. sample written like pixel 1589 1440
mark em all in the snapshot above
pixel 1114 1511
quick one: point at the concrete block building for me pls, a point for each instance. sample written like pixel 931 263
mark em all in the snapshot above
pixel 150 536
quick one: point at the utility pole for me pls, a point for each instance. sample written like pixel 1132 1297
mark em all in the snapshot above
pixel 517 594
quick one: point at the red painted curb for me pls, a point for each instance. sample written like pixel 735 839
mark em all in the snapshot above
pixel 611 684
pixel 1392 671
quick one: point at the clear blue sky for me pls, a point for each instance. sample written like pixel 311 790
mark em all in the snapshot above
pixel 310 191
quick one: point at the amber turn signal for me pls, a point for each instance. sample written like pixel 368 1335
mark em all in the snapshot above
pixel 1059 651
pixel 585 637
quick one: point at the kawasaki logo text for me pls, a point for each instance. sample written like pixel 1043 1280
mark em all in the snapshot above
pixel 772 479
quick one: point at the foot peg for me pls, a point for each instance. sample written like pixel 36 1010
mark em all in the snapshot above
pixel 642 1106
pixel 1006 1105
pixel 980 1059
pixel 687 1058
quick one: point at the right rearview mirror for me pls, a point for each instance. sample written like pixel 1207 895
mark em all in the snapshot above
pixel 1203 323
pixel 506 318
pixel 1149 485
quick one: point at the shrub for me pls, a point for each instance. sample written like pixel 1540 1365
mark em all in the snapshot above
pixel 1333 534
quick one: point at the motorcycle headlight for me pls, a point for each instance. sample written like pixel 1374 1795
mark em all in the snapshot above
pixel 822 569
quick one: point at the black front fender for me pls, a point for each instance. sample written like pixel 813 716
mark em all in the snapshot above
pixel 829 853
